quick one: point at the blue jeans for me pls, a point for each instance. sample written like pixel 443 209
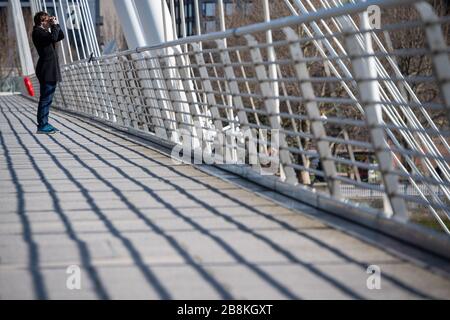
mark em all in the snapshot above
pixel 45 101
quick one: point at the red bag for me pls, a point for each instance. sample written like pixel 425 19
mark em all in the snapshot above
pixel 29 86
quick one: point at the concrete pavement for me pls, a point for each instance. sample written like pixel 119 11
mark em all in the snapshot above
pixel 140 226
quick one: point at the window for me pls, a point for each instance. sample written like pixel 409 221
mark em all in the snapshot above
pixel 189 29
pixel 229 8
pixel 209 26
pixel 209 9
pixel 248 8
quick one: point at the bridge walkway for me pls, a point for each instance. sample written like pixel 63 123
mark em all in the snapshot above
pixel 140 226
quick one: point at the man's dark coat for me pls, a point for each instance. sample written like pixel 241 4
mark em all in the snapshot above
pixel 47 68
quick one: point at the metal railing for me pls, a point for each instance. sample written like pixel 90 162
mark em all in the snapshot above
pixel 336 84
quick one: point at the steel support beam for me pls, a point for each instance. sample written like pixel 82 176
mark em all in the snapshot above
pixel 23 47
pixel 131 26
pixel 154 20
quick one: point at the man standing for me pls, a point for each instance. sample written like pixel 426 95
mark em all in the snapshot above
pixel 46 33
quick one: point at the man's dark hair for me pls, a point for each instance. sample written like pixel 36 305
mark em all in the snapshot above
pixel 39 17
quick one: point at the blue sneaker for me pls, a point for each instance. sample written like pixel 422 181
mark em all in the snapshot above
pixel 57 130
pixel 47 129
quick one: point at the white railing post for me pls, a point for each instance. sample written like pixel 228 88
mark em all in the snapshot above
pixel 219 152
pixel 365 74
pixel 287 172
pixel 237 99
pixel 313 113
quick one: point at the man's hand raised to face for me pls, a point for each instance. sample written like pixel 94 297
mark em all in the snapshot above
pixel 53 21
